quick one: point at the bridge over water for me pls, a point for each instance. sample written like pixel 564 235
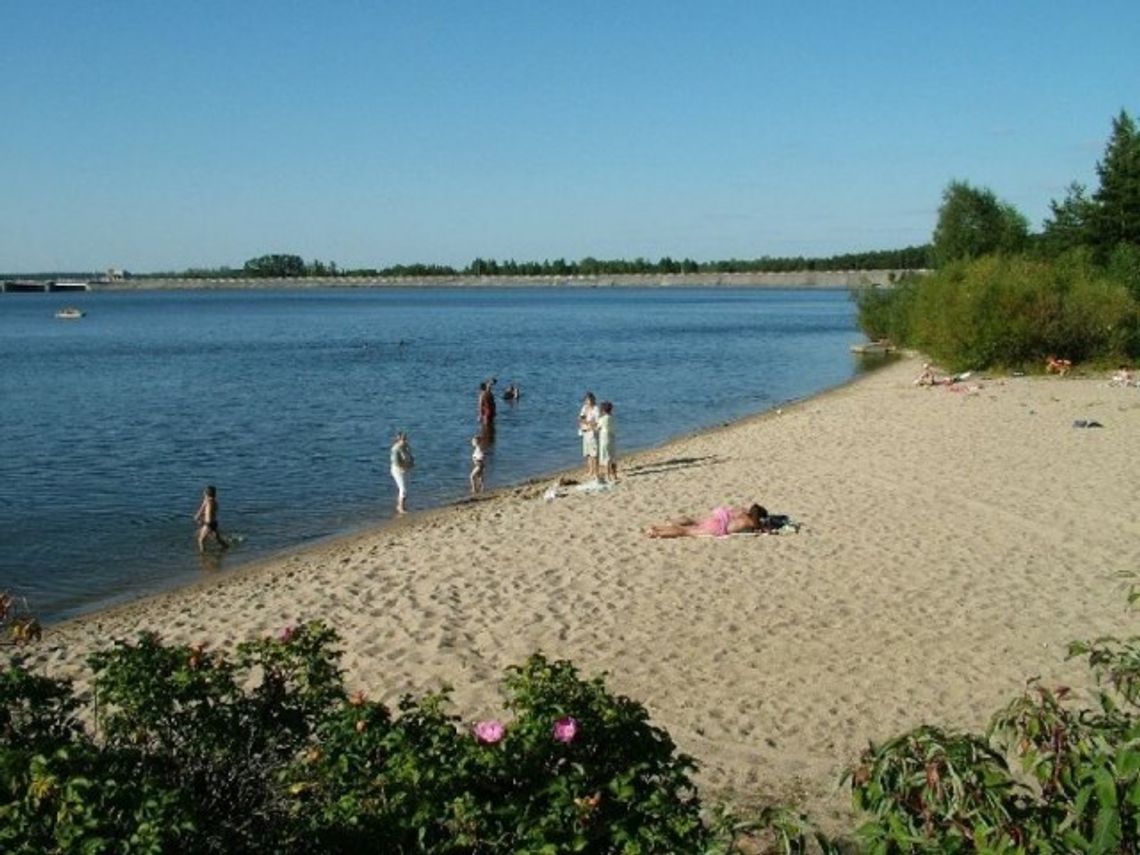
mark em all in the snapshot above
pixel 26 286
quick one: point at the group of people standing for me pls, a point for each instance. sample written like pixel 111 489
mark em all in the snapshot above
pixel 596 428
pixel 401 459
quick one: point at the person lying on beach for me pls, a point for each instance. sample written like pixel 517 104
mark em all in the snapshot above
pixel 926 378
pixel 1122 377
pixel 1053 365
pixel 720 522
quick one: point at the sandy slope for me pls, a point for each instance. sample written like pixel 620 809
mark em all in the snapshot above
pixel 953 542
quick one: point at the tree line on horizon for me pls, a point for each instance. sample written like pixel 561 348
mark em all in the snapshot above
pixel 288 266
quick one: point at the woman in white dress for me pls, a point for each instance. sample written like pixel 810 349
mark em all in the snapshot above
pixel 588 430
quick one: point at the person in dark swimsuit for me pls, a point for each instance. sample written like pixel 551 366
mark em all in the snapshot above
pixel 207 519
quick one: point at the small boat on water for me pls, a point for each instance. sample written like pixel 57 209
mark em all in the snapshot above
pixel 873 347
pixel 70 313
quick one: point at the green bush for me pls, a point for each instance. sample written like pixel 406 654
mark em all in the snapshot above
pixel 1009 312
pixel 194 751
pixel 263 752
pixel 1077 789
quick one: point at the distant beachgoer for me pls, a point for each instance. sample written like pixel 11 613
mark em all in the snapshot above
pixel 588 430
pixel 486 404
pixel 720 522
pixel 207 519
pixel 512 392
pixel 1122 377
pixel 478 464
pixel 1053 365
pixel 402 461
pixel 607 449
pixel 926 377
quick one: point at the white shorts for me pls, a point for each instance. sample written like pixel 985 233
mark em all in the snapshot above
pixel 400 476
pixel 605 451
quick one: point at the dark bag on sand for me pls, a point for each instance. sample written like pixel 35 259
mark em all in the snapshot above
pixel 776 521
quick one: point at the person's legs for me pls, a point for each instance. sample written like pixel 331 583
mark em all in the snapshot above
pixel 673 529
pixel 401 488
pixel 203 530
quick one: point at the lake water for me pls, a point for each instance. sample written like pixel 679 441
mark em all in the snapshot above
pixel 287 401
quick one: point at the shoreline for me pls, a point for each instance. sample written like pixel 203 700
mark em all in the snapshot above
pixel 953 542
pixel 530 487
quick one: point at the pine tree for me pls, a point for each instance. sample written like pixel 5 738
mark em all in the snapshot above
pixel 1116 203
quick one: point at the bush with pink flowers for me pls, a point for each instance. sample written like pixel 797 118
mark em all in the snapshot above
pixel 195 751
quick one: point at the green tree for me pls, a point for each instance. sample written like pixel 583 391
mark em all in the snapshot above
pixel 282 266
pixel 973 222
pixel 1116 203
pixel 1070 223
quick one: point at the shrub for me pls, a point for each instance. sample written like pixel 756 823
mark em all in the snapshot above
pixel 1077 790
pixel 1009 311
pixel 263 752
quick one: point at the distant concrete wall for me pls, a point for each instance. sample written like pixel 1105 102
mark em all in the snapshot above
pixel 801 279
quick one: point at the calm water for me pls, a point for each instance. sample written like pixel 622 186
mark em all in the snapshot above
pixel 287 401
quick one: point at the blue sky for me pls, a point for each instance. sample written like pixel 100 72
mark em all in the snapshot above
pixel 163 135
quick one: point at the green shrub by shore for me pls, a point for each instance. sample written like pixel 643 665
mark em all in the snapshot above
pixel 1012 311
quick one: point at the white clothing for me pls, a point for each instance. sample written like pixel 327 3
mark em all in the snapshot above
pixel 399 473
pixel 400 476
pixel 606 438
pixel 589 416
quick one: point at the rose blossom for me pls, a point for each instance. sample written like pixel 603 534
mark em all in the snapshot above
pixel 286 635
pixel 489 732
pixel 565 729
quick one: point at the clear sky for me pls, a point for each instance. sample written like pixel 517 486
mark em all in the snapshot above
pixel 163 134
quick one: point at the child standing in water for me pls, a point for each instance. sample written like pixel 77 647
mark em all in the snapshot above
pixel 478 465
pixel 207 519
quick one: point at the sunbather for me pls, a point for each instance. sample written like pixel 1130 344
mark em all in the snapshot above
pixel 720 522
pixel 1122 377
pixel 1053 365
pixel 926 378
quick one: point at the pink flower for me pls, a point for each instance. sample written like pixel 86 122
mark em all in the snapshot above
pixel 286 635
pixel 565 729
pixel 489 732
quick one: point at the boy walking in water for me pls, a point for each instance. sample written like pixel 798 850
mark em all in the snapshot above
pixel 207 519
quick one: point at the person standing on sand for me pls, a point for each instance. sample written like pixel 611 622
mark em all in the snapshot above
pixel 607 450
pixel 207 519
pixel 402 461
pixel 588 430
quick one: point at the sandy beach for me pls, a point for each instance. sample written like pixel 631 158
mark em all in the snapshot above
pixel 953 541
